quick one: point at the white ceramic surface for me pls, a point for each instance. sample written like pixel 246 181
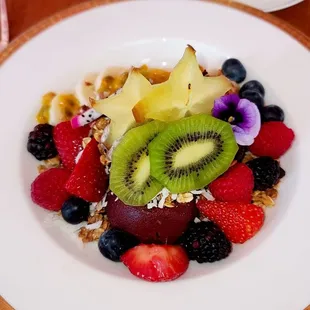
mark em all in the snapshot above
pixel 42 264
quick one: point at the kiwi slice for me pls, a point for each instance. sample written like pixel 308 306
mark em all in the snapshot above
pixel 192 152
pixel 130 178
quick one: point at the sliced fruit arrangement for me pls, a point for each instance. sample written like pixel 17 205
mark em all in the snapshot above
pixel 161 168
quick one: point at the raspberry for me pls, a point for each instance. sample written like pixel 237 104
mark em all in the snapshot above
pixel 48 189
pixel 236 184
pixel 40 142
pixel 266 172
pixel 205 242
pixel 273 140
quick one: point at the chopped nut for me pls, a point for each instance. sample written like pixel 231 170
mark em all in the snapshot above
pixel 85 141
pixel 261 199
pixel 97 135
pixel 186 197
pixel 104 160
pixel 272 193
pixel 42 168
pixel 95 218
pixel 89 235
pixel 52 162
pixel 101 123
pixel 102 149
pixel 248 156
pixel 169 202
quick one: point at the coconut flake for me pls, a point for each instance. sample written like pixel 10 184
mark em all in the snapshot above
pixel 174 197
pixel 114 145
pixel 78 156
pixel 207 195
pixel 95 225
pixel 164 194
pixel 105 134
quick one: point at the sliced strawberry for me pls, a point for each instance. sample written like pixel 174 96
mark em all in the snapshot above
pixel 235 185
pixel 89 180
pixel 68 142
pixel 156 263
pixel 48 189
pixel 239 221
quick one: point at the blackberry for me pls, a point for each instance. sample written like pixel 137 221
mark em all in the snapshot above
pixel 40 142
pixel 241 153
pixel 205 242
pixel 266 172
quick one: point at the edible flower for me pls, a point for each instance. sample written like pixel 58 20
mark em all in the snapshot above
pixel 242 114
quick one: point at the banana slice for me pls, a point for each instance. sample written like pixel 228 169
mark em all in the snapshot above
pixel 85 89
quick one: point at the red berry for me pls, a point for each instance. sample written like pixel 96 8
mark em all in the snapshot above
pixel 238 221
pixel 273 140
pixel 48 189
pixel 68 142
pixel 156 263
pixel 235 185
pixel 89 180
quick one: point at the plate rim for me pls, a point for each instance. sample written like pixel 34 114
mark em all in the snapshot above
pixel 44 24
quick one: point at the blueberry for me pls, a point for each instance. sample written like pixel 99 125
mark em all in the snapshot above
pixel 234 70
pixel 254 97
pixel 115 242
pixel 272 113
pixel 75 210
pixel 253 85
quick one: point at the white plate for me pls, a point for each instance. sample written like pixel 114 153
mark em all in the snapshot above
pixel 43 266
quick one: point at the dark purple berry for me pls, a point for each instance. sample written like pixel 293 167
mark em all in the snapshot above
pixel 40 142
pixel 234 70
pixel 75 210
pixel 204 242
pixel 272 113
pixel 253 85
pixel 115 242
pixel 254 97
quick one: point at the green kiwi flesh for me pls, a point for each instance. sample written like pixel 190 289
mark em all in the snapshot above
pixel 130 178
pixel 192 152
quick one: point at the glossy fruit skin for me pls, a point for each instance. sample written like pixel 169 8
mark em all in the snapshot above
pixel 266 172
pixel 253 85
pixel 48 189
pixel 239 221
pixel 254 97
pixel 204 242
pixel 234 70
pixel 274 140
pixel 272 113
pixel 156 263
pixel 235 185
pixel 115 242
pixel 75 210
pixel 156 225
pixel 40 142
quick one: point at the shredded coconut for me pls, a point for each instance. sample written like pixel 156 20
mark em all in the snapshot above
pixel 94 225
pixel 105 134
pixel 78 156
pixel 164 194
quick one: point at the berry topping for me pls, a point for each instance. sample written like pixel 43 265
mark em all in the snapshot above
pixel 114 243
pixel 236 184
pixel 254 86
pixel 48 189
pixel 69 142
pixel 75 210
pixel 88 179
pixel 234 70
pixel 205 242
pixel 273 140
pixel 266 172
pixel 156 263
pixel 239 221
pixel 40 142
pixel 272 113
pixel 254 97
pixel 241 153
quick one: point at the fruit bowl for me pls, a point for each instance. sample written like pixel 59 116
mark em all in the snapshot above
pixel 54 244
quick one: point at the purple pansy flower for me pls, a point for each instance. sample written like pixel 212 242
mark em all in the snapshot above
pixel 242 114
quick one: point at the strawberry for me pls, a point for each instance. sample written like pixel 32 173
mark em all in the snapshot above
pixel 68 142
pixel 88 180
pixel 239 221
pixel 48 189
pixel 156 263
pixel 273 140
pixel 236 184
